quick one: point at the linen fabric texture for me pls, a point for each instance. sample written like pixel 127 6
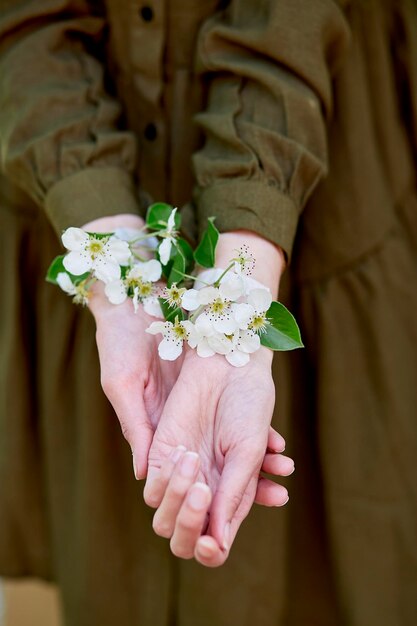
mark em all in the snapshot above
pixel 296 119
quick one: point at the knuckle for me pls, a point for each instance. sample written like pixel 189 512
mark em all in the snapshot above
pixel 186 524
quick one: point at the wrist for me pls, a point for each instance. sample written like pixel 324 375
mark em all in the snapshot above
pixel 98 303
pixel 270 259
pixel 110 223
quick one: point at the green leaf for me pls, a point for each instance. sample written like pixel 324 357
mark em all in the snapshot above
pixel 183 260
pixel 170 313
pixel 282 332
pixel 57 266
pixel 157 216
pixel 100 235
pixel 205 253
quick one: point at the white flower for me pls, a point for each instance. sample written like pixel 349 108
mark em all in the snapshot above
pixel 174 335
pixel 139 279
pixel 169 235
pixel 199 337
pixel 102 256
pixel 79 292
pixel 237 347
pixel 217 303
pixel 252 314
pixel 244 261
pixel 173 295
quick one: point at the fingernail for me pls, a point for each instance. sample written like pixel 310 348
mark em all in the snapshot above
pixel 283 502
pixel 134 466
pixel 226 537
pixel 177 453
pixel 189 464
pixel 198 496
pixel 292 471
pixel 204 549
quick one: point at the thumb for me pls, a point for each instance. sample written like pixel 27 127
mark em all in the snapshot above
pixel 234 496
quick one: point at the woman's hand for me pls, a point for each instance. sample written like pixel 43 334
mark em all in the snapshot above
pixel 223 414
pixel 135 380
pixel 220 417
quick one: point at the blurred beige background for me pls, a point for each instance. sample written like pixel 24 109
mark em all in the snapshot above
pixel 28 602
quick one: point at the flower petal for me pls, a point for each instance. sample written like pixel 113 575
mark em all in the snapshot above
pixel 260 299
pixel 249 342
pixel 204 325
pixel 237 358
pixel 208 276
pixel 77 263
pixel 66 284
pixel 171 220
pixel 105 269
pixel 206 295
pixel 242 314
pixel 119 250
pixel 231 287
pixel 158 327
pixel 74 238
pixel 116 291
pixel 152 307
pixel 190 300
pixel 203 349
pixel 151 271
pixel 220 344
pixel 226 325
pixel 169 350
pixel 165 250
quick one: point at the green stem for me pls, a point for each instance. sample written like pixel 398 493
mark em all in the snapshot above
pixel 141 237
pixel 218 281
pixel 138 256
pixel 193 277
pixel 196 313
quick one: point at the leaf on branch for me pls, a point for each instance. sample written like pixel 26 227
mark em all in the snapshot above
pixel 183 261
pixel 205 253
pixel 170 313
pixel 157 216
pixel 100 235
pixel 282 333
pixel 57 267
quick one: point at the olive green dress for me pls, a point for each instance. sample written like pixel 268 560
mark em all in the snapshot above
pixel 293 118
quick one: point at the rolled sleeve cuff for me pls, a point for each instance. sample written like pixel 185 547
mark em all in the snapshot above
pixel 250 205
pixel 90 194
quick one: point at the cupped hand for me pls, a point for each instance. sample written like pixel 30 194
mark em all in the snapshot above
pixel 210 445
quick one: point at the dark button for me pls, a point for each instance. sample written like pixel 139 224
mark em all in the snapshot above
pixel 146 13
pixel 150 132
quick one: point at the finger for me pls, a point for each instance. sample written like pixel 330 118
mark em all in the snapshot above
pixel 182 478
pixel 276 442
pixel 158 478
pixel 278 465
pixel 136 428
pixel 208 552
pixel 190 520
pixel 234 496
pixel 269 493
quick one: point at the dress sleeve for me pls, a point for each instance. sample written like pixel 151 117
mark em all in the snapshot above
pixel 59 134
pixel 270 65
